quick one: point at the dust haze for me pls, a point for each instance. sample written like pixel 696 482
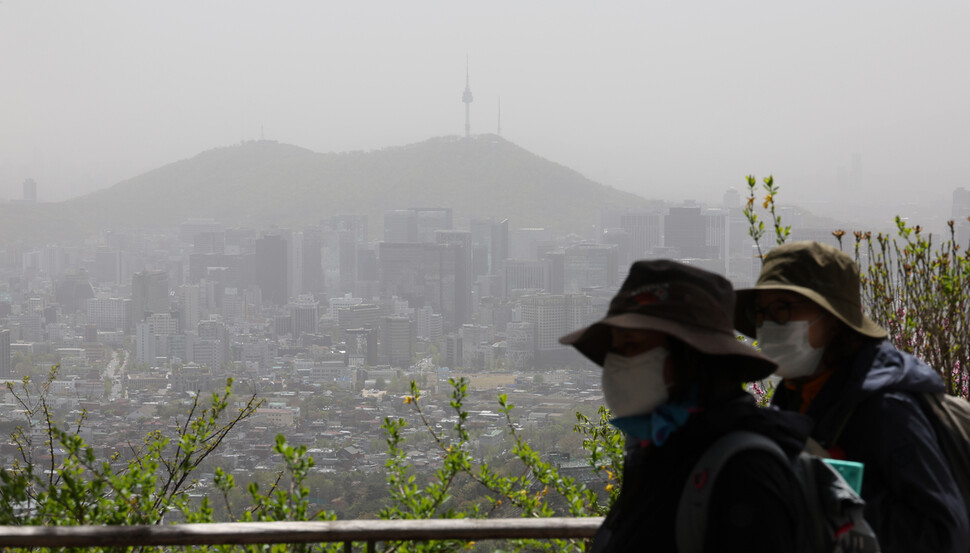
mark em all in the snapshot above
pixel 847 104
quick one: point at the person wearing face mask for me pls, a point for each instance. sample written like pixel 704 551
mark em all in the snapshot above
pixel 672 377
pixel 838 368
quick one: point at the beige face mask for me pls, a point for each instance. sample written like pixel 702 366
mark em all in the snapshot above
pixel 789 346
pixel 635 385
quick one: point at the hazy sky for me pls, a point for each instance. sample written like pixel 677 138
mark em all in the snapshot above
pixel 665 99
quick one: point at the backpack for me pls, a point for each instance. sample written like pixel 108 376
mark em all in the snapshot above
pixel 950 418
pixel 833 509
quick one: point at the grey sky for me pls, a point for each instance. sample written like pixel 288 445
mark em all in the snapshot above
pixel 666 99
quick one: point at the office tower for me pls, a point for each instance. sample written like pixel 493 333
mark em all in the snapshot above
pixel 192 227
pixel 557 271
pixel 428 274
pixel 429 220
pixel 72 290
pixel 209 241
pixel 271 268
pixel 731 199
pixel 149 294
pixel 214 331
pixel 400 225
pixel 6 360
pixel 685 230
pixel 348 251
pixel 361 347
pixel 551 316
pixel 294 257
pixel 589 266
pixel 645 231
pixel 108 313
pixel 397 340
pixel 190 306
pixel 313 243
pixel 490 240
pixel 151 337
pixel 524 243
pixel 304 314
pixel 476 346
pixel 416 224
pixel 520 345
pixel 460 244
pixel 621 239
pixel 525 275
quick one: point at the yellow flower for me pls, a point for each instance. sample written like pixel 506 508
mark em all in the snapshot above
pixel 408 399
pixel 767 201
pixel 609 487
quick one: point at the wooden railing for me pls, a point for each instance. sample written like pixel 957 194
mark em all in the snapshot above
pixel 364 532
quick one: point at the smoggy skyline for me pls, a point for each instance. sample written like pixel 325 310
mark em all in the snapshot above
pixel 844 103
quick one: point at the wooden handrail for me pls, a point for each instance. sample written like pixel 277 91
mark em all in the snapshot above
pixel 298 532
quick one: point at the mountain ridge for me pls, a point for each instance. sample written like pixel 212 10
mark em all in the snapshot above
pixel 261 183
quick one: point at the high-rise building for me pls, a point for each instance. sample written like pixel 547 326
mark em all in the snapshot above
pixel 304 314
pixel 192 227
pixel 428 274
pixel 149 294
pixel 400 225
pixel 271 268
pixel 490 243
pixel 151 337
pixel 397 340
pixel 6 360
pixel 552 316
pixel 313 243
pixel 525 275
pixel 72 291
pixel 621 239
pixel 108 313
pixel 190 306
pixel 520 348
pixel 589 266
pixel 645 231
pixel 686 230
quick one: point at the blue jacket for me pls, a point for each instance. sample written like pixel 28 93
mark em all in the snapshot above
pixel 871 413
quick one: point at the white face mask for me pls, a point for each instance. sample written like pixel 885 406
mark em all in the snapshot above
pixel 635 385
pixel 789 346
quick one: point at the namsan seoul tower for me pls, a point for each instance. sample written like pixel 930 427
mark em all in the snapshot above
pixel 466 97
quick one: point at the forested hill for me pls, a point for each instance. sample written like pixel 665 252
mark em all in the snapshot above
pixel 260 183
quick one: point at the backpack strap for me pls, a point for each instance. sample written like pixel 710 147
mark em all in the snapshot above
pixel 691 525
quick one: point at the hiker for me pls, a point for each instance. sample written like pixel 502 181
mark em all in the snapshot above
pixel 672 375
pixel 862 393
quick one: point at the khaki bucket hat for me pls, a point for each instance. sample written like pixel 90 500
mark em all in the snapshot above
pixel 690 304
pixel 821 273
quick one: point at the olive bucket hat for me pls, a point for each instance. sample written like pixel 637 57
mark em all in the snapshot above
pixel 690 304
pixel 822 273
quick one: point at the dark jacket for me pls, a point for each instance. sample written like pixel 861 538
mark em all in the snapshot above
pixel 751 503
pixel 871 413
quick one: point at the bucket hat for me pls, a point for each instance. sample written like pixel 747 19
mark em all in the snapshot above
pixel 690 304
pixel 822 273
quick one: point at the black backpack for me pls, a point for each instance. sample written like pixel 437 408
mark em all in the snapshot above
pixel 950 417
pixel 833 508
